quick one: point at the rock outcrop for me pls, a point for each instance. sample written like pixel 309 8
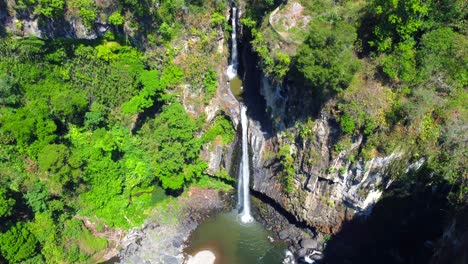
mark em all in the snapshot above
pixel 166 233
pixel 329 187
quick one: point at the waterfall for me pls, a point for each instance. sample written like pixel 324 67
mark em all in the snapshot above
pixel 232 68
pixel 244 172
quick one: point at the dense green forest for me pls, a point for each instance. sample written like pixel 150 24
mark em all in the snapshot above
pixel 79 134
pixel 96 129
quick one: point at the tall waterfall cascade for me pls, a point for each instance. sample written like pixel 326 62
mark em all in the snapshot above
pixel 232 68
pixel 244 172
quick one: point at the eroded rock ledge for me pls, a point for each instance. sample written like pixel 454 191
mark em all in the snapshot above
pixel 162 238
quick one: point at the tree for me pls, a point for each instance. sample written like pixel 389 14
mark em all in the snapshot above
pixel 401 63
pixel 166 31
pixel 50 8
pixel 6 202
pixel 347 124
pixel 176 146
pixel 396 21
pixel 17 244
pixel 116 19
pixel 152 89
pixel 37 197
pixel 325 60
pixel 441 58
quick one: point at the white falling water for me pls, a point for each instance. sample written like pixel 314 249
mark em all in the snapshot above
pixel 244 172
pixel 232 68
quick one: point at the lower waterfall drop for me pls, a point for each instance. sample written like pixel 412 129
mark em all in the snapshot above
pixel 244 172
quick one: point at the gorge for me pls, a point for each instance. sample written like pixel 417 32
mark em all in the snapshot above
pixel 298 131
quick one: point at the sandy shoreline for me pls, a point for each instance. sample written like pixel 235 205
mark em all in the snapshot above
pixel 202 257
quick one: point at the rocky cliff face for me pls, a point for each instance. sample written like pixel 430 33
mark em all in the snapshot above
pixel 330 187
pixel 26 24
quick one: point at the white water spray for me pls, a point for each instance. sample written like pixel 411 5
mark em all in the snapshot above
pixel 244 172
pixel 232 68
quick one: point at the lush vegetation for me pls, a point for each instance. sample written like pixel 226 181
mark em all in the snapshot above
pixel 94 134
pixel 392 71
pixel 97 132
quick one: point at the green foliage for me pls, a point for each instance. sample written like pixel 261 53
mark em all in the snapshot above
pixel 401 63
pixel 211 84
pixel 166 31
pixel 145 98
pixel 177 148
pixel 18 244
pixel 206 181
pixel 397 21
pixel 72 144
pixel 80 236
pixel 52 157
pixel 116 19
pixel 86 10
pixel 218 19
pixel 50 8
pixel 440 56
pixel 347 124
pixel 222 128
pixel 248 22
pixel 276 64
pixel 287 168
pixel 281 64
pixel 37 197
pixel 326 60
pixel 429 130
pixel 6 202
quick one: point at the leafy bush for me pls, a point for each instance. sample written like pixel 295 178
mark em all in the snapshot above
pixel 325 60
pixel 18 244
pixel 211 83
pixel 221 127
pixel 287 168
pixel 347 124
pixel 116 19
pixel 50 8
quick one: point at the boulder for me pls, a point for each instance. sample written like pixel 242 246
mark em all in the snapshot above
pixel 301 252
pixel 308 243
pixel 283 234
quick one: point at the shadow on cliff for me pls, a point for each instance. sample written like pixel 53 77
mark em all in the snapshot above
pixel 250 72
pixel 404 225
pixel 251 78
pixel 3 15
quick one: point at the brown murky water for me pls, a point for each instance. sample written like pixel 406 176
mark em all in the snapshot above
pixel 236 88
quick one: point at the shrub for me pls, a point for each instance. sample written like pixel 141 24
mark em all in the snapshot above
pixel 116 19
pixel 347 124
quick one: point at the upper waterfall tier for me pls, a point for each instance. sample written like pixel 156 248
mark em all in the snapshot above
pixel 232 68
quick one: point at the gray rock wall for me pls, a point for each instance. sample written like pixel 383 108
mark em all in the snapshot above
pixel 328 188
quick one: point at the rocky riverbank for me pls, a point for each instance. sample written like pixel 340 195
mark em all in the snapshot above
pixel 161 239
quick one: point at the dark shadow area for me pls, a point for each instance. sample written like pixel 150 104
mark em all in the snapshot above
pixel 303 101
pixel 21 211
pixel 3 17
pixel 251 81
pixel 453 247
pixel 249 71
pixel 289 216
pixel 402 228
pixel 146 115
